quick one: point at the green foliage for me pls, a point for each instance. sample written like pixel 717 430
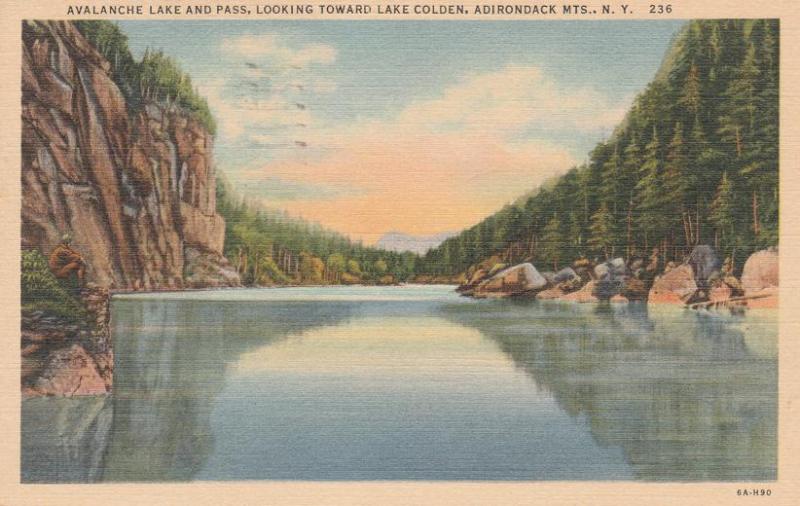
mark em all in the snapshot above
pixel 312 269
pixel 41 291
pixel 723 211
pixel 156 78
pixel 601 231
pixel 552 241
pixel 694 162
pixel 353 267
pixel 270 247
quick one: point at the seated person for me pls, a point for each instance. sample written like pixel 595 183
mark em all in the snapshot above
pixel 64 261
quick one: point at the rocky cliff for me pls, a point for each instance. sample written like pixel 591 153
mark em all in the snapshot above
pixel 134 186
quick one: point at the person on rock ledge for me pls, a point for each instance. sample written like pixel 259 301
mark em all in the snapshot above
pixel 64 261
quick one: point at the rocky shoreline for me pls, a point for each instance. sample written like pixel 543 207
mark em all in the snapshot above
pixel 701 278
pixel 67 358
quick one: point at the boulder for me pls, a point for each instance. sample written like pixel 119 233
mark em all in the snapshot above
pixel 704 263
pixel 615 266
pixel 760 278
pixel 760 272
pixel 550 277
pixel 676 286
pixel 611 277
pixel 515 280
pixel 585 294
pixel 634 289
pixel 565 274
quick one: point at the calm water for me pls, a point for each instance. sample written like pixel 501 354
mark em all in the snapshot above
pixel 415 383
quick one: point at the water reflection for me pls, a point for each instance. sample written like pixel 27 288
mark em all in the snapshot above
pixel 204 388
pixel 179 352
pixel 687 396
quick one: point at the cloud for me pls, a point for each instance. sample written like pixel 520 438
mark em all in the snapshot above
pixel 260 99
pixel 509 100
pixel 441 163
pixel 270 46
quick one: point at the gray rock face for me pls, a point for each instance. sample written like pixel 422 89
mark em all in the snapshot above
pixel 704 262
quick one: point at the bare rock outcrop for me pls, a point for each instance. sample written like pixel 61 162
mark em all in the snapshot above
pixel 133 185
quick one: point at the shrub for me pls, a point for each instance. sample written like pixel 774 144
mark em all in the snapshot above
pixel 41 291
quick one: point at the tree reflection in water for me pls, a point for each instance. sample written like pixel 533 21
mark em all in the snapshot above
pixel 687 396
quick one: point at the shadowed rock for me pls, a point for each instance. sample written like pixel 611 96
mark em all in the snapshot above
pixel 704 263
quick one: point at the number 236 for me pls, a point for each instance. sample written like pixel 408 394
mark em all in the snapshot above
pixel 660 9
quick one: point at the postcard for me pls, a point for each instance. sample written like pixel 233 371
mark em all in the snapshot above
pixel 412 253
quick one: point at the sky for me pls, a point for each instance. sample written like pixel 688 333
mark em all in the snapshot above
pixel 419 127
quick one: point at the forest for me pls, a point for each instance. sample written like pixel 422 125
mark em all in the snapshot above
pixel 268 247
pixel 695 161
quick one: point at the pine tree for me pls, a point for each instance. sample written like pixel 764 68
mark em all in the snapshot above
pixel 649 193
pixel 552 241
pixel 631 163
pixel 723 213
pixel 675 186
pixel 611 186
pixel 601 237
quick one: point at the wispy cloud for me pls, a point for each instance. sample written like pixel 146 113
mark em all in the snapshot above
pixel 272 47
pixel 264 89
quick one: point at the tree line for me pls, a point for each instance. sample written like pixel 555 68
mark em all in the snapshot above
pixel 694 161
pixel 269 247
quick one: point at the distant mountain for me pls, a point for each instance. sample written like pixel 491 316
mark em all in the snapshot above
pixel 399 242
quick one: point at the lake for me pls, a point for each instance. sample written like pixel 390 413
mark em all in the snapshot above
pixel 415 383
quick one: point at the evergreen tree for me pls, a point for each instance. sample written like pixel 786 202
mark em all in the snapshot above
pixel 723 213
pixel 552 242
pixel 601 237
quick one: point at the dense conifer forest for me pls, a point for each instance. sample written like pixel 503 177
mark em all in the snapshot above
pixel 694 161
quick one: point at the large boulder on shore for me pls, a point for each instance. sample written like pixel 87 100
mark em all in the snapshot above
pixel 704 263
pixel 674 287
pixel 760 278
pixel 515 280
